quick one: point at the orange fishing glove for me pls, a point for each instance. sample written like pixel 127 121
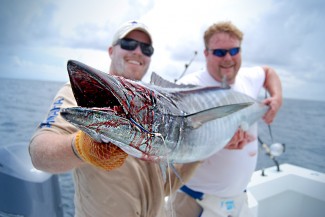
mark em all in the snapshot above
pixel 104 155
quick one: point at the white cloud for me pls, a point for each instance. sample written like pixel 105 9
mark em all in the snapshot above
pixel 39 37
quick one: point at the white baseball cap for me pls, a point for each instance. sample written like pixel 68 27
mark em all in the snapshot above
pixel 128 27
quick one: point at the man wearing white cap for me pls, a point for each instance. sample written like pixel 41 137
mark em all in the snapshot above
pixel 121 185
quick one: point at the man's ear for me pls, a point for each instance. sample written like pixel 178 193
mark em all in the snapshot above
pixel 110 51
pixel 206 52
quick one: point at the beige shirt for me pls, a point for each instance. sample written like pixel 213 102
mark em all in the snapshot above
pixel 135 189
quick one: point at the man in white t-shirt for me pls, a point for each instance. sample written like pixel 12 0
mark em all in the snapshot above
pixel 218 186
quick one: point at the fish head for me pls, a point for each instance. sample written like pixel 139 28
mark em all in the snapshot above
pixel 114 109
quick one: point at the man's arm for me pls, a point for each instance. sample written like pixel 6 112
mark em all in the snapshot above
pixel 56 153
pixel 53 153
pixel 273 85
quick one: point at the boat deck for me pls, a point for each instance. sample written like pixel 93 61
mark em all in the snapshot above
pixel 294 191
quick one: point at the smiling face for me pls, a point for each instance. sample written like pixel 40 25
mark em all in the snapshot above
pixel 130 64
pixel 226 66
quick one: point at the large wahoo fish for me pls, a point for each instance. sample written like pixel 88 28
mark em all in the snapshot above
pixel 157 121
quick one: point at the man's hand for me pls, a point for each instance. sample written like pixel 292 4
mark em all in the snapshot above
pixel 273 86
pixel 274 106
pixel 239 140
pixel 103 155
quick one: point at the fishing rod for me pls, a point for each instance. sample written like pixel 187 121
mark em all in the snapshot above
pixel 274 150
pixel 186 67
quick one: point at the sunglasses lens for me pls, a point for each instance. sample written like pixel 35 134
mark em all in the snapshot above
pixel 146 49
pixel 234 51
pixel 130 44
pixel 220 52
pixel 127 44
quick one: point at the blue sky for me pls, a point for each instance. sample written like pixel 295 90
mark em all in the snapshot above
pixel 38 37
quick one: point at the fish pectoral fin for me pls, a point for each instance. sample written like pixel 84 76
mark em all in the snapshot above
pixel 197 119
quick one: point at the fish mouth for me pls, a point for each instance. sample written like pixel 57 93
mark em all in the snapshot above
pixel 94 89
pixel 103 109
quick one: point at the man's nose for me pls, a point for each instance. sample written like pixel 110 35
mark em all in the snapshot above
pixel 138 50
pixel 227 56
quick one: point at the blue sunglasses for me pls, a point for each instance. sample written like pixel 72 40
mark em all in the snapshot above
pixel 223 52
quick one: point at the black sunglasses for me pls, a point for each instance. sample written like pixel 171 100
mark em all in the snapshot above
pixel 223 52
pixel 131 44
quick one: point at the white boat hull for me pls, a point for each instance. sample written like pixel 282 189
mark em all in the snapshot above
pixel 292 192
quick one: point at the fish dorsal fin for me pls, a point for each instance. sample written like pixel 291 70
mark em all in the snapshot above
pixel 161 82
pixel 197 119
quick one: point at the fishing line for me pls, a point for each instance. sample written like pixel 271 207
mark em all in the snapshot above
pixel 167 158
pixel 168 171
pixel 186 67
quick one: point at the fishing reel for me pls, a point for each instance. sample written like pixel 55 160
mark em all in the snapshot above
pixel 274 150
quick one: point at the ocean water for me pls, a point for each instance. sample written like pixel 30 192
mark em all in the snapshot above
pixel 300 125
